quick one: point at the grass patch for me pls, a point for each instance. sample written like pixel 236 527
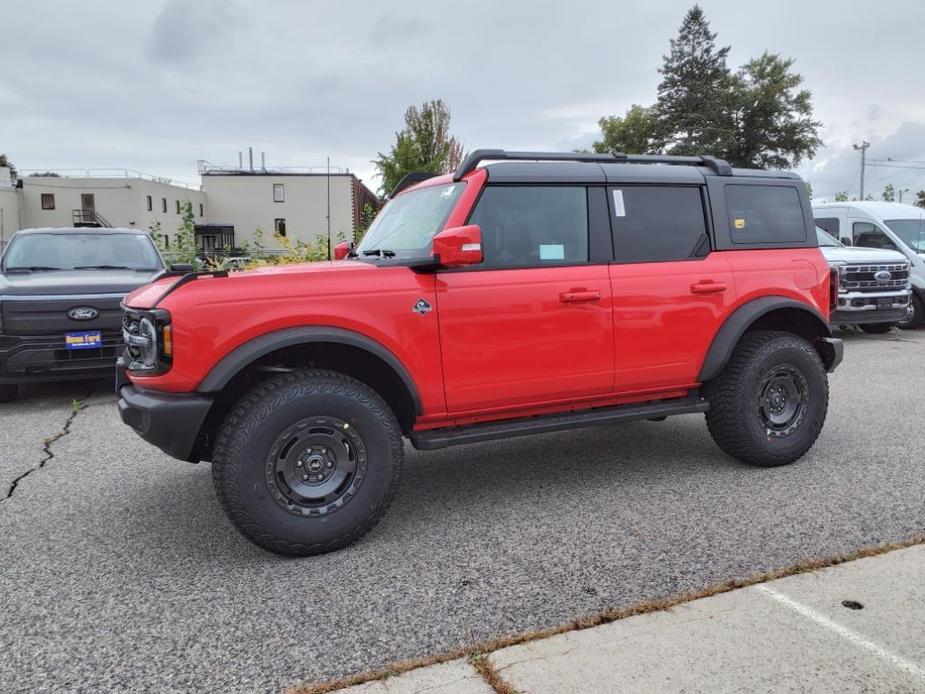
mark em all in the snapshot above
pixel 477 654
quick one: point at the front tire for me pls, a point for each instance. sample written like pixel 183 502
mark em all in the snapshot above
pixel 915 316
pixel 8 392
pixel 768 405
pixel 307 462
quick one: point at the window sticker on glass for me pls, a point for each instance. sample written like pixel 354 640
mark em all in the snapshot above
pixel 552 251
pixel 740 222
pixel 619 208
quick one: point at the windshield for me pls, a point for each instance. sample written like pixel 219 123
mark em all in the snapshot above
pixel 406 225
pixel 825 239
pixel 48 252
pixel 911 231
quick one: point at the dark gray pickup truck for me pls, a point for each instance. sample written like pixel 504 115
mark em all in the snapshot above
pixel 60 296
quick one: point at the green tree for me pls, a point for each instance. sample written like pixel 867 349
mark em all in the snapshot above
pixel 425 144
pixel 841 196
pixel 889 193
pixel 809 190
pixel 185 247
pixel 773 119
pixel 920 198
pixel 367 215
pixel 695 98
pixel 5 161
pixel 637 132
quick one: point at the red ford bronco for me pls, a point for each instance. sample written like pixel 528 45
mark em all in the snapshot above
pixel 535 293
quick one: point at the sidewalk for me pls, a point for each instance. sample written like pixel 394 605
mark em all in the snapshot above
pixel 856 627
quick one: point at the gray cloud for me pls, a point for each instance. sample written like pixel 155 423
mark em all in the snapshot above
pixel 165 83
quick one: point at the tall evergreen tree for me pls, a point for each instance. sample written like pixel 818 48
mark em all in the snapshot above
pixel 425 144
pixel 695 98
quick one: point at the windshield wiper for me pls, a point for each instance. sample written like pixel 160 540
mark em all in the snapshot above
pixel 32 268
pixel 102 267
pixel 379 252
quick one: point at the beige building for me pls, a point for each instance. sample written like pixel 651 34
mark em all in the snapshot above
pixel 228 208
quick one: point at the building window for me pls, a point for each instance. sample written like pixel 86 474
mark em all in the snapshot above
pixel 279 226
pixel 178 206
pixel 48 201
pixel 166 241
pixel 163 204
pixel 279 192
pixel 150 203
pixel 201 209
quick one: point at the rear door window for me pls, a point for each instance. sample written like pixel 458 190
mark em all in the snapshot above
pixel 658 223
pixel 530 226
pixel 765 214
pixel 829 225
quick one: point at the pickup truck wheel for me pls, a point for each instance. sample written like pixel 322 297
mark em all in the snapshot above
pixel 8 392
pixel 877 328
pixel 768 405
pixel 307 462
pixel 915 315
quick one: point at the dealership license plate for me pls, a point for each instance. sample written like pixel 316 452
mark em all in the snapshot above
pixel 88 339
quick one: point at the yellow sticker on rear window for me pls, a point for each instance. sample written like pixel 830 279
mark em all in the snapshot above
pixel 740 223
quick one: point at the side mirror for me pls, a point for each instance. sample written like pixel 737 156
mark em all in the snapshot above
pixel 458 246
pixel 182 267
pixel 342 249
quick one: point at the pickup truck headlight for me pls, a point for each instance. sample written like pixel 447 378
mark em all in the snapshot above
pixel 148 337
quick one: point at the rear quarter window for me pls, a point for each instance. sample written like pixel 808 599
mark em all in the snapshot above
pixel 765 214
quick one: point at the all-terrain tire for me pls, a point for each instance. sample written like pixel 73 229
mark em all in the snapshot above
pixel 916 316
pixel 876 328
pixel 8 392
pixel 248 446
pixel 736 420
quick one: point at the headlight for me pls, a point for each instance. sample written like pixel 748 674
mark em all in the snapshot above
pixel 148 338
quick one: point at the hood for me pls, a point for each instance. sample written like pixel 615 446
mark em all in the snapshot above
pixel 76 282
pixel 147 296
pixel 854 254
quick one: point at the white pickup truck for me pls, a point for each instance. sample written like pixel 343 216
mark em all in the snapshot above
pixel 875 288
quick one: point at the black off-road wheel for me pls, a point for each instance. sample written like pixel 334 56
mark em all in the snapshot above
pixel 307 462
pixel 768 405
pixel 8 392
pixel 876 328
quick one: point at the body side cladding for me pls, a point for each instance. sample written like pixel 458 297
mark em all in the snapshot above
pixel 745 316
pixel 244 355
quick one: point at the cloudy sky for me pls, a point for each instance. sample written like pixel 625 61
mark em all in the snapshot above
pixel 158 85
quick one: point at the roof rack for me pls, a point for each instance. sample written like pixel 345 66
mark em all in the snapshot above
pixel 719 166
pixel 409 180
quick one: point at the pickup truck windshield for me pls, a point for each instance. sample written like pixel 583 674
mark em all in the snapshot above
pixel 912 231
pixel 76 251
pixel 407 223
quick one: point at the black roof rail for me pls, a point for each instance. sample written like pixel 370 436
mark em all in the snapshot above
pixel 472 160
pixel 409 180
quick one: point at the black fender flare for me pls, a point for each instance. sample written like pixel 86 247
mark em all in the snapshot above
pixel 244 355
pixel 728 336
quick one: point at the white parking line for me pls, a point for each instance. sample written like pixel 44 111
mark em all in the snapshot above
pixel 845 632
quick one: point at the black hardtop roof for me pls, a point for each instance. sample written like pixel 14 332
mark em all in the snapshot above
pixel 562 167
pixel 78 230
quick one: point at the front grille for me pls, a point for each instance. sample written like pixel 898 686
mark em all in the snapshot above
pixel 50 316
pixel 862 277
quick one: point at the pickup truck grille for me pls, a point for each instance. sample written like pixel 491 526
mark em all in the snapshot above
pixel 863 277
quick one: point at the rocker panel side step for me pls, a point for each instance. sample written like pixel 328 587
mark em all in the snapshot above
pixel 489 431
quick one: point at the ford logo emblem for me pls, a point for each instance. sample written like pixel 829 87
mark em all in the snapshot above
pixel 83 313
pixel 883 276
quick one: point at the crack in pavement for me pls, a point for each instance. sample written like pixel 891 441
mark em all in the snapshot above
pixel 76 407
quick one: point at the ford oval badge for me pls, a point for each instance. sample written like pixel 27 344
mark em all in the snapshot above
pixel 83 313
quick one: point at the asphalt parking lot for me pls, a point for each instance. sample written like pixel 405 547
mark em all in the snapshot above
pixel 118 570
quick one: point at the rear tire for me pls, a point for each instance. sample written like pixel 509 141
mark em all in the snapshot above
pixel 8 392
pixel 768 405
pixel 307 462
pixel 916 315
pixel 876 328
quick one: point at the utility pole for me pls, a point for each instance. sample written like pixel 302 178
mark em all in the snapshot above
pixel 862 148
pixel 329 208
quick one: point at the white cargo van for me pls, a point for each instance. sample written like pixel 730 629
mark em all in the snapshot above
pixel 890 225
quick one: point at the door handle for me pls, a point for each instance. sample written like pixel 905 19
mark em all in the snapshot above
pixel 579 296
pixel 708 287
